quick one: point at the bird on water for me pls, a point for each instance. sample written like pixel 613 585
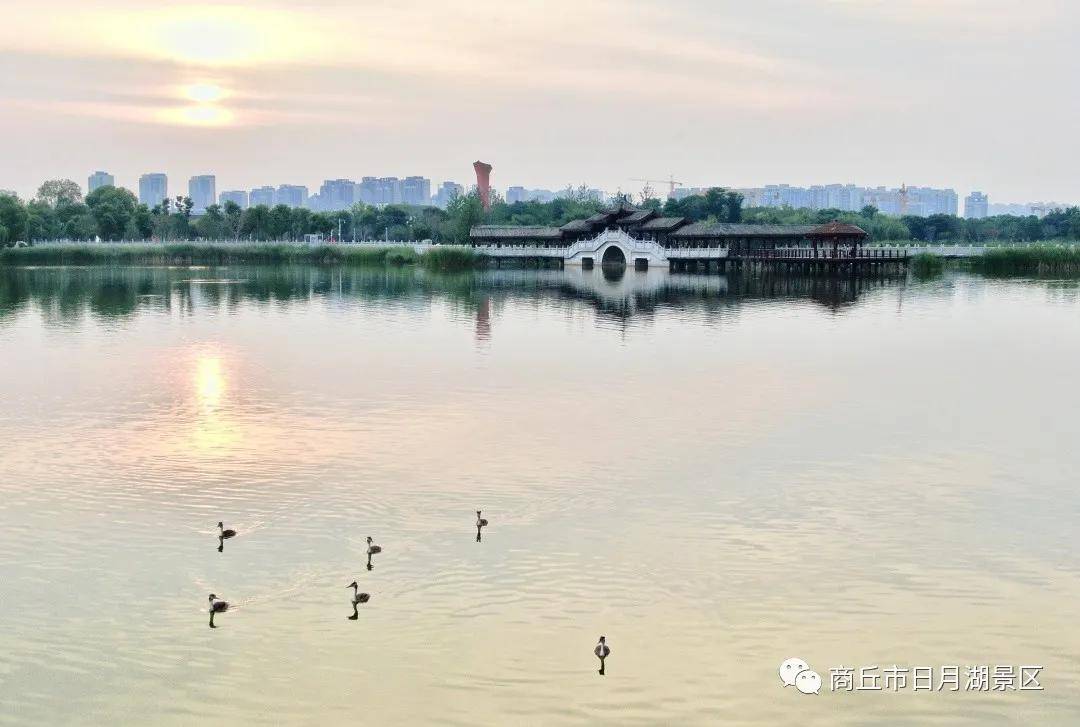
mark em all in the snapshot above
pixel 372 549
pixel 358 597
pixel 480 522
pixel 602 652
pixel 217 606
pixel 223 533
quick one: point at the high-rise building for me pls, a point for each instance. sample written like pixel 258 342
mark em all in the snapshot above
pixel 919 201
pixel 337 194
pixel 416 191
pixel 203 192
pixel 239 196
pixel 448 192
pixel 98 180
pixel 976 206
pixel 262 196
pixel 522 194
pixel 153 189
pixel 368 190
pixel 293 195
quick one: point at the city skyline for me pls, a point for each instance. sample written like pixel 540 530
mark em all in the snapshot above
pixel 417 190
pixel 740 94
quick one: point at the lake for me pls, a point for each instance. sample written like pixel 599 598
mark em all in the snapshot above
pixel 716 473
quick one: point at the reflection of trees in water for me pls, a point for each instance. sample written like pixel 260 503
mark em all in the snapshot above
pixel 64 294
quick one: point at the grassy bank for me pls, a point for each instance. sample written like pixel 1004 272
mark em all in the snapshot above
pixel 210 254
pixel 1043 260
pixel 925 265
pixel 450 258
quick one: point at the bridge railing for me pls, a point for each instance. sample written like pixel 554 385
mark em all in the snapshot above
pixel 828 253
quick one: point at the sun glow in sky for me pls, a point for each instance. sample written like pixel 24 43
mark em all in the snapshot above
pixel 553 92
pixel 212 35
pixel 204 92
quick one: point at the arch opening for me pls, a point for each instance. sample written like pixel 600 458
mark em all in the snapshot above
pixel 614 256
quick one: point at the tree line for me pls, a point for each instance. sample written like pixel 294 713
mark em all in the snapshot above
pixel 59 212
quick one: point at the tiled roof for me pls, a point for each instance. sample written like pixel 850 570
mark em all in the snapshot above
pixel 577 226
pixel 532 232
pixel 663 223
pixel 835 228
pixel 733 229
pixel 635 216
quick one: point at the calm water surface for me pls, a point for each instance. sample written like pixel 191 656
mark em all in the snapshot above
pixel 717 474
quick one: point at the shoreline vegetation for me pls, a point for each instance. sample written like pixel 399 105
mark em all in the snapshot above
pixel 441 258
pixel 1036 260
pixel 59 212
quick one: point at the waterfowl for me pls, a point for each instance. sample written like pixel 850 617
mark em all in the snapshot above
pixel 480 522
pixel 217 605
pixel 357 596
pixel 372 549
pixel 223 533
pixel 602 650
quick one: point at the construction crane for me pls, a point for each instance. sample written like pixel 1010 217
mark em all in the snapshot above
pixel 670 181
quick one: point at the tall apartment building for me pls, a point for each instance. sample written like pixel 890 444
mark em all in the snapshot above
pixel 976 206
pixel 239 196
pixel 293 195
pixel 522 194
pixel 98 180
pixel 416 191
pixel 203 192
pixel 261 196
pixel 153 189
pixel 337 194
pixel 447 192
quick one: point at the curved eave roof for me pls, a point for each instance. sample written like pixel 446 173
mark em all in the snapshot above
pixel 529 232
pixel 733 229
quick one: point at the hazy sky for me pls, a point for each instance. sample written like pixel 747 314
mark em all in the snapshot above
pixel 962 93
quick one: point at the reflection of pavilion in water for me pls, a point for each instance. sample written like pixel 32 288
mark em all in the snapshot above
pixel 620 294
pixel 624 293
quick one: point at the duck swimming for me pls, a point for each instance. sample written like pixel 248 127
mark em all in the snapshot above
pixel 480 522
pixel 372 549
pixel 357 596
pixel 602 651
pixel 223 533
pixel 216 606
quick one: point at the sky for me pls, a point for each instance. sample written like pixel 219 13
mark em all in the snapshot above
pixel 969 94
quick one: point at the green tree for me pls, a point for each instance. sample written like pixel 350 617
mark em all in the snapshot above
pixel 233 219
pixel 280 221
pixel 54 192
pixel 256 222
pixel 212 224
pixel 463 213
pixel 13 218
pixel 114 210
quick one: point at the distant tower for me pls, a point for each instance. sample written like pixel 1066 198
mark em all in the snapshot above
pixel 483 183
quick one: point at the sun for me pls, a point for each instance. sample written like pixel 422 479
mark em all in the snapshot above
pixel 204 92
